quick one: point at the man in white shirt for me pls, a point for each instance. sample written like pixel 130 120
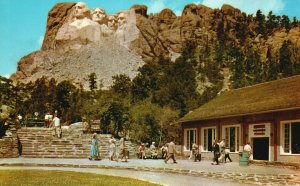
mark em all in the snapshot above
pixel 56 127
pixel 247 147
pixel 222 150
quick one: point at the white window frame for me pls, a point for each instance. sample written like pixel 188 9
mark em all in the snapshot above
pixel 202 137
pixel 282 123
pixel 186 147
pixel 237 147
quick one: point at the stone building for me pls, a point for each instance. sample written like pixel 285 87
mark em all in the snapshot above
pixel 267 115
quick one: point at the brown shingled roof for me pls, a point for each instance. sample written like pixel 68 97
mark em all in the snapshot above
pixel 283 94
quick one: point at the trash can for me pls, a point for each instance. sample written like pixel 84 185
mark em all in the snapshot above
pixel 244 159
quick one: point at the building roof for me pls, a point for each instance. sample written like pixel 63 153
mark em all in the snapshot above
pixel 278 95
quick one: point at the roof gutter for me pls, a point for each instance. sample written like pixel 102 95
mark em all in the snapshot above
pixel 237 115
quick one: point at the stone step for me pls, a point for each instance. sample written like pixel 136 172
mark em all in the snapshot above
pixel 39 142
pixel 55 156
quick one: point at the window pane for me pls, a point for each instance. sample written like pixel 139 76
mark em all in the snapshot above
pixel 286 138
pixel 295 134
pixel 205 139
pixel 237 138
pixel 227 135
pixel 232 139
pixel 192 135
pixel 209 140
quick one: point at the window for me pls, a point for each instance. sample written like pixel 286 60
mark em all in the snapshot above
pixel 290 137
pixel 190 137
pixel 232 137
pixel 208 135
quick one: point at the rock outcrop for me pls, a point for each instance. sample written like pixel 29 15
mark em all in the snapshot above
pixel 9 146
pixel 79 41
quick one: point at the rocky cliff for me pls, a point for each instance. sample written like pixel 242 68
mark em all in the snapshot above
pixel 79 41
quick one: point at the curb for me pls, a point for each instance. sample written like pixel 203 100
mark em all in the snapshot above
pixel 257 179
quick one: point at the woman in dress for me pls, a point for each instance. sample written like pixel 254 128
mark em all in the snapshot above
pixel 94 148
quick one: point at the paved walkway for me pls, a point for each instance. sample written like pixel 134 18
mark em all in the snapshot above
pixel 252 174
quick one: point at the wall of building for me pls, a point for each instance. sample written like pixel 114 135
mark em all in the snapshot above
pixel 272 131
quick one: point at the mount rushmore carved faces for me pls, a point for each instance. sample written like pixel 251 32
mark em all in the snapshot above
pixel 112 22
pixel 121 20
pixel 81 10
pixel 99 15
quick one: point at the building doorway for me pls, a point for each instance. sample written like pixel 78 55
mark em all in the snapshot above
pixel 261 148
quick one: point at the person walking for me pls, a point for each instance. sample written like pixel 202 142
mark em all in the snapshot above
pixel 222 150
pixel 112 148
pixel 216 150
pixel 164 151
pixel 56 126
pixel 123 150
pixel 171 152
pixel 227 156
pixel 94 154
pixel 196 153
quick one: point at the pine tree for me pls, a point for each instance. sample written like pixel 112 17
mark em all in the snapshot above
pixel 272 68
pixel 238 68
pixel 121 84
pixel 271 22
pixel 261 19
pixel 295 22
pixel 285 62
pixel 286 23
pixel 93 81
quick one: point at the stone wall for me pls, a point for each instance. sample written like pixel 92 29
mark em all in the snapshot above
pixel 8 137
pixel 74 143
pixel 9 147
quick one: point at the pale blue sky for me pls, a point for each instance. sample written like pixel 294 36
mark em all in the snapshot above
pixel 23 22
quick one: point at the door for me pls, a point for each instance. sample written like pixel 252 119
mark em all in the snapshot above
pixel 261 148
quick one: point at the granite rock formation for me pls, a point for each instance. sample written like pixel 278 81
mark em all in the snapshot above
pixel 79 43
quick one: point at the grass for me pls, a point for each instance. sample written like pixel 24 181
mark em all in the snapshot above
pixel 61 178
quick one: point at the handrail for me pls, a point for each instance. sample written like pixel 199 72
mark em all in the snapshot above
pixel 34 122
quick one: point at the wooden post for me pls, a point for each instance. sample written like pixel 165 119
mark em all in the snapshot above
pixel 275 137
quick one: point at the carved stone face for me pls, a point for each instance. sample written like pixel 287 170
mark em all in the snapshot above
pixel 80 10
pixel 112 22
pixel 98 15
pixel 121 19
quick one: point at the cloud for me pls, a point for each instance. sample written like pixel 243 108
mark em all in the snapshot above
pixel 40 41
pixel 155 6
pixel 178 12
pixel 249 6
pixel 7 75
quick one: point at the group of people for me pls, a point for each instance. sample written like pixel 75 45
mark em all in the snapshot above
pixel 168 151
pixel 114 152
pixel 153 151
pixel 195 152
pixel 53 123
pixel 221 152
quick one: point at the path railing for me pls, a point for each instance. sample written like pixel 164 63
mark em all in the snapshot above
pixel 34 122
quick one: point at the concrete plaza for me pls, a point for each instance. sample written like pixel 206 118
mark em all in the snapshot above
pixel 229 173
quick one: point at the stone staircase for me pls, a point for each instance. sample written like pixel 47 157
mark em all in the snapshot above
pixel 39 143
